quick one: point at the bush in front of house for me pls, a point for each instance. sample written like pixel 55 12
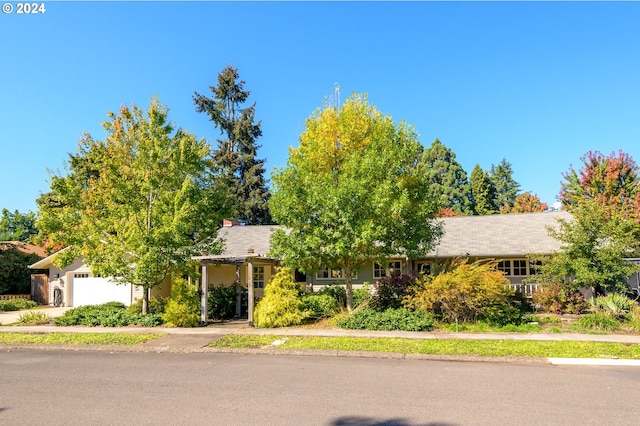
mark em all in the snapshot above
pixel 556 298
pixel 468 293
pixel 391 291
pixel 281 305
pixel 221 302
pixel 112 314
pixel 361 295
pixel 16 305
pixel 614 304
pixel 320 305
pixel 389 319
pixel 156 306
pixel 598 322
pixel 183 307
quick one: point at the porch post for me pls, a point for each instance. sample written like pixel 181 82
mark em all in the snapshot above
pixel 203 298
pixel 250 289
pixel 238 293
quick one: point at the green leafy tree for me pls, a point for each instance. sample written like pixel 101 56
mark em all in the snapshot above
pixel 350 193
pixel 612 180
pixel 595 244
pixel 483 192
pixel 448 179
pixel 17 226
pixel 15 275
pixel 506 188
pixel 238 168
pixel 138 205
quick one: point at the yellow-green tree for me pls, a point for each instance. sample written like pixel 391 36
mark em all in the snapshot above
pixel 350 193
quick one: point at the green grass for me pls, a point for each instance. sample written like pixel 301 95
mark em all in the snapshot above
pixel 489 348
pixel 77 338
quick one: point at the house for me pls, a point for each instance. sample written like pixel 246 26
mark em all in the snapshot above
pixel 511 239
pixel 75 285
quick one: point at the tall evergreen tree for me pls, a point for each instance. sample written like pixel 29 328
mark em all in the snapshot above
pixel 506 188
pixel 483 191
pixel 238 169
pixel 448 179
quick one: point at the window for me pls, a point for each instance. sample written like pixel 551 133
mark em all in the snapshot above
pixel 424 268
pixel 332 274
pixel 393 268
pixel 258 277
pixel 80 275
pixel 513 267
pixel 534 267
pixel 504 266
pixel 520 268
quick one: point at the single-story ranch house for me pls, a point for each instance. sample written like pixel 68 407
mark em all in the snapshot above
pixel 511 239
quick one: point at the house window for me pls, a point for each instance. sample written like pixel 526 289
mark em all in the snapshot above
pixel 332 274
pixel 258 277
pixel 393 268
pixel 513 267
pixel 424 268
pixel 520 268
pixel 504 266
pixel 81 275
pixel 534 267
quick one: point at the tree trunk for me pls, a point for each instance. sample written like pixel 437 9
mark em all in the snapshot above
pixel 349 287
pixel 145 301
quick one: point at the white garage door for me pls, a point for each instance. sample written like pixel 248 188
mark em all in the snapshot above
pixel 95 291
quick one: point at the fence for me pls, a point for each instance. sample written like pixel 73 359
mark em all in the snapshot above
pixel 15 296
pixel 526 289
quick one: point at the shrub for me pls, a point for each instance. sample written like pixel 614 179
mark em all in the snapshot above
pixel 338 292
pixel 555 298
pixel 362 296
pixel 634 317
pixel 390 291
pixel 598 321
pixel 281 305
pixel 614 304
pixel 16 305
pixel 389 319
pixel 221 302
pixel 156 306
pixel 320 305
pixel 34 318
pixel 465 294
pixel 183 307
pixel 106 315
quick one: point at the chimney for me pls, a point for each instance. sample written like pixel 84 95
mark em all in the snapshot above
pixel 230 222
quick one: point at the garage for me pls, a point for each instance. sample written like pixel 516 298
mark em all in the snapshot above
pixel 95 291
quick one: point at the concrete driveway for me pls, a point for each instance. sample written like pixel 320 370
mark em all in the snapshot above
pixel 7 318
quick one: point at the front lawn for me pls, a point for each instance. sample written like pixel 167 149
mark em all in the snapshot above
pixel 488 348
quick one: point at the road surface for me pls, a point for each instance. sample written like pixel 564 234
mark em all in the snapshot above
pixel 103 388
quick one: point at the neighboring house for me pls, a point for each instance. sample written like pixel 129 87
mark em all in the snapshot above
pixel 75 285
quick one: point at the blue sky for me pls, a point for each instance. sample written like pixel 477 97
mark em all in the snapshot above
pixel 538 84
